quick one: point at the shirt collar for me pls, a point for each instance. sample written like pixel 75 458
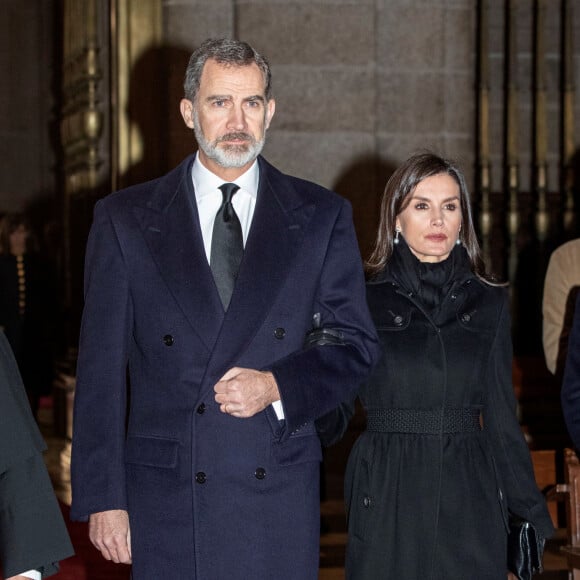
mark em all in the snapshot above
pixel 206 182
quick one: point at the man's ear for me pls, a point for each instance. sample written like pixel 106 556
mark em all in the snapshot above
pixel 270 110
pixel 186 109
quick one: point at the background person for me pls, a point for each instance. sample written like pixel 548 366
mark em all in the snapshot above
pixel 561 286
pixel 27 306
pixel 33 537
pixel 570 394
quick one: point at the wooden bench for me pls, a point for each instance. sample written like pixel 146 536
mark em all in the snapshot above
pixel 544 463
pixel 569 492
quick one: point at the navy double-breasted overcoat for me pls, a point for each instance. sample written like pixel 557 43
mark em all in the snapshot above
pixel 211 496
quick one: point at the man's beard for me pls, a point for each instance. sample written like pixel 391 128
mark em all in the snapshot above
pixel 229 156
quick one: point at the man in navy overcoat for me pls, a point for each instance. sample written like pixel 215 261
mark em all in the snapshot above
pixel 194 450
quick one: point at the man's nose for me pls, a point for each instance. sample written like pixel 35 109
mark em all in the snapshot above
pixel 237 119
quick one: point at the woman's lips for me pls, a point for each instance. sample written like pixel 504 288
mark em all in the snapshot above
pixel 437 237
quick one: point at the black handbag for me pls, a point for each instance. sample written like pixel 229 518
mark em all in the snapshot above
pixel 525 548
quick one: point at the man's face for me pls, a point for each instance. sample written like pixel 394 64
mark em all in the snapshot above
pixel 229 117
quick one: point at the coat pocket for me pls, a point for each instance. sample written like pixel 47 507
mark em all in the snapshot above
pixel 361 502
pixel 301 447
pixel 151 451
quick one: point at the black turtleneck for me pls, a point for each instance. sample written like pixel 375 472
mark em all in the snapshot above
pixel 429 282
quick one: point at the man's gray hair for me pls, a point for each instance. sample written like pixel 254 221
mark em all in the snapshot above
pixel 228 52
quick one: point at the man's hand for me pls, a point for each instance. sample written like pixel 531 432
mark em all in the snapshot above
pixel 245 392
pixel 110 534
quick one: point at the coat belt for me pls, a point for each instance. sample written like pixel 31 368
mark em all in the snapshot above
pixel 428 422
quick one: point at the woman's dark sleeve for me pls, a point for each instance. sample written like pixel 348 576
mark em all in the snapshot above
pixel 332 426
pixel 509 448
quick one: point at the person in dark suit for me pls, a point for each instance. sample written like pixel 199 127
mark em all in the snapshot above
pixel 570 394
pixel 207 466
pixel 33 537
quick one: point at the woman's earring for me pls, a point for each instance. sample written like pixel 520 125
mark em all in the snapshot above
pixel 397 232
pixel 458 242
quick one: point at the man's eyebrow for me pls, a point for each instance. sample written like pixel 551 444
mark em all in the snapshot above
pixel 213 98
pixel 218 98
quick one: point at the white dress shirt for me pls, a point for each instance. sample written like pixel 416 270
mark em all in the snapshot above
pixel 209 198
pixel 33 574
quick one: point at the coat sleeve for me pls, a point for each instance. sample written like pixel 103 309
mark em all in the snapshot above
pixel 508 445
pixel 553 304
pixel 32 531
pixel 313 381
pixel 97 464
pixel 561 287
pixel 332 426
pixel 570 393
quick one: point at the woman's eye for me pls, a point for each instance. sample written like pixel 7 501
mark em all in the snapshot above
pixel 421 205
pixel 451 206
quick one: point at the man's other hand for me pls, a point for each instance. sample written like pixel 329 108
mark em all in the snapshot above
pixel 110 534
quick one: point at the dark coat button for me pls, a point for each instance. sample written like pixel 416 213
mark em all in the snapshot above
pixel 260 473
pixel 201 409
pixel 398 320
pixel 465 317
pixel 280 333
pixel 168 340
pixel 200 477
pixel 367 501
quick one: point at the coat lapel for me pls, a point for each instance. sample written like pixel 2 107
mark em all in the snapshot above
pixel 278 227
pixel 170 225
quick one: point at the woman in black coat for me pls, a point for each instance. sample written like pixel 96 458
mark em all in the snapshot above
pixel 442 462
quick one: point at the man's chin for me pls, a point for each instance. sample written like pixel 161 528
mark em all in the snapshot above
pixel 231 162
pixel 236 156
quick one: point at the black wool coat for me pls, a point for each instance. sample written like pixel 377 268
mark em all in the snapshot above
pixel 434 505
pixel 32 531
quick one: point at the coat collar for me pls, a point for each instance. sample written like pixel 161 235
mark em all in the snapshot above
pixel 403 266
pixel 169 221
pixel 170 225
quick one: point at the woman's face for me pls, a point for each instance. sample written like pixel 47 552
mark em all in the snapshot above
pixel 431 222
pixel 18 237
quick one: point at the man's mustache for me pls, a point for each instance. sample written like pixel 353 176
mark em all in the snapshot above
pixel 236 137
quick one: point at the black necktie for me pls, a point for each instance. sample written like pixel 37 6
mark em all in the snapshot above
pixel 227 245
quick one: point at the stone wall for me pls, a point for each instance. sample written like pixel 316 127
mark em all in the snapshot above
pixel 27 103
pixel 359 84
